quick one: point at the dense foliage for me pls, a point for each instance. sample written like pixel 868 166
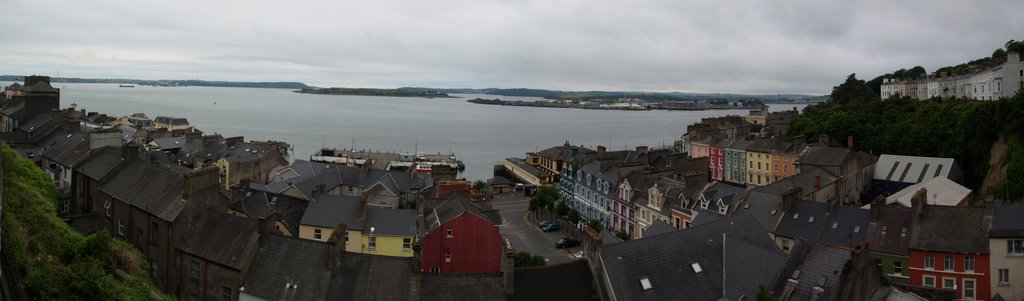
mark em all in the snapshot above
pixel 962 129
pixel 544 198
pixel 524 259
pixel 56 262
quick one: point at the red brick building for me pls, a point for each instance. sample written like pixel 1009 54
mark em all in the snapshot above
pixel 461 237
pixel 716 157
pixel 949 250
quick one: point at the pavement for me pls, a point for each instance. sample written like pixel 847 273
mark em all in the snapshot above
pixel 524 234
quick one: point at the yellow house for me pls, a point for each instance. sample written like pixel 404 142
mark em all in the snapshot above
pixel 759 162
pixel 389 232
pixel 378 231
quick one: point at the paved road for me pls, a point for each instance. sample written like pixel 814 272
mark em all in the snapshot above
pixel 526 237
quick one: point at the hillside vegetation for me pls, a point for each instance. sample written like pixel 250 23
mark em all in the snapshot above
pixel 55 261
pixel 962 129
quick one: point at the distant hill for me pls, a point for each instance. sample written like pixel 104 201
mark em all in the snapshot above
pixel 613 95
pixel 168 82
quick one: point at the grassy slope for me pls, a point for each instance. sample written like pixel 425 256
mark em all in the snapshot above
pixel 58 262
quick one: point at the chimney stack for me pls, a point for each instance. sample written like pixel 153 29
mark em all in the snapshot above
pixel 508 267
pixel 823 138
pixel 130 151
pixel 817 179
pixel 849 142
pixel 267 224
pixel 55 115
pixel 876 207
pixel 917 204
pixel 600 151
pixel 337 242
pixel 789 197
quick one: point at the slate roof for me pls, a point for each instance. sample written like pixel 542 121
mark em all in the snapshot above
pixel 456 205
pixel 571 281
pixel 283 260
pixel 69 151
pixel 100 163
pixel 223 238
pixel 255 204
pixel 667 262
pixel 816 264
pixel 149 188
pixel 397 222
pixel 824 156
pixel 912 169
pixel 765 207
pixel 370 277
pixel 939 223
pixel 846 227
pixel 458 287
pixel 804 180
pixel 329 210
pixel 804 220
pixel 169 143
pixel 658 227
pixel 890 232
pixel 498 180
pixel 1007 222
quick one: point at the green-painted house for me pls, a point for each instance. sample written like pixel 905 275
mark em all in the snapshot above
pixel 888 239
pixel 736 161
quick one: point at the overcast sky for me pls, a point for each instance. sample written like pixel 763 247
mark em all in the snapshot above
pixel 674 45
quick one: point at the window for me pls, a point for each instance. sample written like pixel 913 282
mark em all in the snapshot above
pixel 447 256
pixel 929 262
pixel 120 227
pixel 722 209
pixel 1015 246
pixel 897 267
pixel 449 232
pixel 64 206
pixel 949 283
pixel 153 269
pixel 948 263
pixel 318 234
pixel 969 289
pixel 372 245
pixel 686 224
pixel 406 244
pixel 106 207
pixel 194 270
pixel 929 281
pixel 704 204
pixel 154 229
pixel 968 263
pixel 1004 276
pixel 225 293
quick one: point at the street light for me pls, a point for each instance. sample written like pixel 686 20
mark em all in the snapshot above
pixel 371 248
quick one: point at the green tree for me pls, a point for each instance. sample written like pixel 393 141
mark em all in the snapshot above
pixel 1015 46
pixel 999 53
pixel 562 209
pixel 574 216
pixel 524 259
pixel 480 186
pixel 596 225
pixel 762 295
pixel 853 91
pixel 621 234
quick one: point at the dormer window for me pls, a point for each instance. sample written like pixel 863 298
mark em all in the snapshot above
pixel 704 203
pixel 589 178
pixel 722 209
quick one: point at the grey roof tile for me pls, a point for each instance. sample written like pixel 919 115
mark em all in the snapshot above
pixel 222 238
pixel 939 223
pixel 283 260
pixel 330 210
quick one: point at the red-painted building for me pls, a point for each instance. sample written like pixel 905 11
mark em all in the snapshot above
pixel 461 238
pixel 716 157
pixel 949 250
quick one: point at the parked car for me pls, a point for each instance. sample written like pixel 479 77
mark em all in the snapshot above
pixel 552 227
pixel 576 256
pixel 544 223
pixel 567 243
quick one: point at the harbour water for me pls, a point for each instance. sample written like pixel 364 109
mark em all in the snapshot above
pixel 480 135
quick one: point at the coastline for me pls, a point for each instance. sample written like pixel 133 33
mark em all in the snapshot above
pixel 619 106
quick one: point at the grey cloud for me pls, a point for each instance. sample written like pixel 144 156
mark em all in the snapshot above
pixel 753 46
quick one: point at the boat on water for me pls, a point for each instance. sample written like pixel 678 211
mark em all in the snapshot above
pixel 126 86
pixel 419 162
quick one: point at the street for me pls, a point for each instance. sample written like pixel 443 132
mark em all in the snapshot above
pixel 526 237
